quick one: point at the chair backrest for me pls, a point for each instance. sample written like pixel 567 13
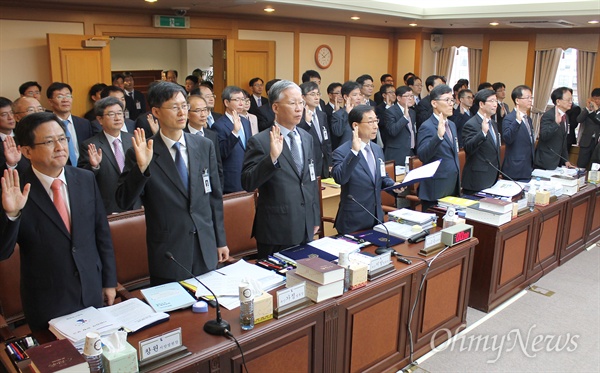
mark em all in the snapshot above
pixel 10 288
pixel 462 158
pixel 386 198
pixel 239 210
pixel 128 231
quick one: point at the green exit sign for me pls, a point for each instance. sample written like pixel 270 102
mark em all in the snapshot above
pixel 172 21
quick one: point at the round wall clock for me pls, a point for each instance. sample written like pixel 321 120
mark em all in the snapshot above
pixel 323 56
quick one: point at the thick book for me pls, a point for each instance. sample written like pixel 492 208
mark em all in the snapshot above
pixel 295 253
pixel 488 217
pixel 378 239
pixel 457 202
pixel 495 205
pixel 319 270
pixel 403 231
pixel 168 297
pixel 315 291
pixel 408 216
pixel 57 356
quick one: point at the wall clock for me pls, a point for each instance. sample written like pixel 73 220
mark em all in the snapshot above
pixel 323 56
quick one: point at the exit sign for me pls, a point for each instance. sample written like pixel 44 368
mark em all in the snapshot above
pixel 172 21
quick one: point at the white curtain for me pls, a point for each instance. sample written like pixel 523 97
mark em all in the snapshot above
pixel 474 66
pixel 586 62
pixel 546 66
pixel 445 59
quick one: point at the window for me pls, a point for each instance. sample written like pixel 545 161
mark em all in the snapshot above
pixel 566 75
pixel 460 66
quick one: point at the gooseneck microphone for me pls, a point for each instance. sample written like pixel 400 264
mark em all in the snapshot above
pixel 505 175
pixel 214 327
pixel 379 250
pixel 560 156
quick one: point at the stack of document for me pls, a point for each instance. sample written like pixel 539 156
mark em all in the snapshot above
pixel 168 297
pixel 132 315
pixel 412 217
pixel 399 230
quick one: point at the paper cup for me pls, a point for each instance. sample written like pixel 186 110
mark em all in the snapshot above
pixel 93 345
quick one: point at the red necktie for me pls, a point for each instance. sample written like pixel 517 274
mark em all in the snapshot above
pixel 60 204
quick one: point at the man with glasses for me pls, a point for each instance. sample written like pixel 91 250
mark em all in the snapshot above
pixel 359 167
pixel 424 109
pixel 385 79
pixel 482 145
pixel 23 106
pixel 266 115
pixel 314 121
pixel 135 102
pixel 233 131
pixel 400 132
pixel 60 98
pixel 366 88
pixel 280 164
pixel 590 132
pixel 256 98
pixel 519 137
pixel 415 83
pixel 9 154
pixel 207 93
pixel 55 213
pixel 339 120
pixel 502 110
pixel 388 94
pixel 551 151
pixel 336 101
pixel 176 175
pixel 118 93
pixel 437 139
pixel 31 89
pixel 462 113
pixel 104 153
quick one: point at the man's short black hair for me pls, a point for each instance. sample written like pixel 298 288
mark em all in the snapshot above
pixel 363 78
pixel 412 80
pixel 110 89
pixel 482 96
pixel 463 92
pixel 98 87
pixel 310 74
pixel 431 81
pixel 596 92
pixel 116 76
pixel 23 87
pixel 384 77
pixel 254 80
pixel 407 76
pixel 270 84
pixel 193 78
pixel 4 102
pixel 439 90
pixel 517 92
pixel 496 86
pixel 400 91
pixel 485 85
pixel 558 93
pixel 308 87
pixel 208 84
pixel 333 86
pixel 57 86
pixel 357 114
pixel 384 87
pixel 162 91
pixel 24 132
pixel 349 86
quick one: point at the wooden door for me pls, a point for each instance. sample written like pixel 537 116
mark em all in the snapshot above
pixel 79 66
pixel 248 59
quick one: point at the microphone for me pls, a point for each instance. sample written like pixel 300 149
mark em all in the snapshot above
pixel 214 327
pixel 504 174
pixel 560 156
pixel 379 250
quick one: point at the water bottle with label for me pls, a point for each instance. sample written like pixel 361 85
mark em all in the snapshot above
pixel 246 306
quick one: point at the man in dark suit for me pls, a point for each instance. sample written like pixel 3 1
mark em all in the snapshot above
pixel 482 145
pixel 336 101
pixel 415 83
pixel 385 79
pixel 590 132
pixel 519 137
pixel 277 163
pixel 114 91
pixel 424 108
pixel 265 115
pixel 209 96
pixel 400 133
pixel 176 175
pixel 197 125
pixel 313 76
pixel 437 139
pixel 9 156
pixel 135 102
pixel 366 88
pixel 104 153
pixel 314 121
pixel 256 98
pixel 340 129
pixel 502 109
pixel 59 222
pixel 233 131
pixel 462 113
pixel 388 94
pixel 359 167
pixel 551 151
pixel 60 98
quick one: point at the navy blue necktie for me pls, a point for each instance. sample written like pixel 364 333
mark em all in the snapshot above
pixel 180 165
pixel 72 154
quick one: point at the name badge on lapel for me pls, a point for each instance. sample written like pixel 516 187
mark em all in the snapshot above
pixel 325 135
pixel 311 170
pixel 206 181
pixel 138 105
pixel 381 167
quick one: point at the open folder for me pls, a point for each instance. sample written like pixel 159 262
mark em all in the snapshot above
pixel 417 174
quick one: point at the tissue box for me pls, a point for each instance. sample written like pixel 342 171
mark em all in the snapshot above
pixel 542 198
pixel 263 308
pixel 358 275
pixel 124 361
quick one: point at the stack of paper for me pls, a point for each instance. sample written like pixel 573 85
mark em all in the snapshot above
pixel 168 297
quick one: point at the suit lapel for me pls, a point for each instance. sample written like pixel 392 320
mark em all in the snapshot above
pixel 194 166
pixel 76 200
pixel 164 161
pixel 107 151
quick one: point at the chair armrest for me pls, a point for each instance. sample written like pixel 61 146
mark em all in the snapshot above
pixel 123 293
pixel 5 331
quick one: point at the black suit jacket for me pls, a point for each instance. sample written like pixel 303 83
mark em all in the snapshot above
pixel 265 117
pixel 254 105
pixel 322 149
pixel 212 136
pixel 177 219
pixel 108 174
pixel 551 151
pixel 424 110
pixel 232 152
pixel 132 104
pixel 519 143
pixel 61 272
pixel 480 149
pixel 460 120
pixel 397 134
pixel 340 128
pixel 287 209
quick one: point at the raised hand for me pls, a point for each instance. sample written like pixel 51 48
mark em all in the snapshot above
pixel 154 127
pixel 485 125
pixel 143 149
pixel 276 143
pixel 349 105
pixel 356 141
pixel 13 200
pixel 441 126
pixel 405 109
pixel 308 115
pixel 519 114
pixel 95 155
pixel 237 122
pixel 12 152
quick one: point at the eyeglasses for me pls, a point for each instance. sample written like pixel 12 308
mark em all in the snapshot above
pixel 449 101
pixel 62 97
pixel 52 143
pixel 417 85
pixel 201 110
pixel 569 100
pixel 408 96
pixel 32 93
pixel 177 108
pixel 6 114
pixel 492 101
pixel 372 122
pixel 209 95
pixel 336 93
pixel 468 97
pixel 526 98
pixel 113 114
pixel 293 103
pixel 237 99
pixel 257 85
pixel 314 94
pixel 368 85
pixel 391 93
pixel 31 110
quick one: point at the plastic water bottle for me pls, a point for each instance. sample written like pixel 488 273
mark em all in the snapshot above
pixel 344 261
pixel 95 363
pixel 246 307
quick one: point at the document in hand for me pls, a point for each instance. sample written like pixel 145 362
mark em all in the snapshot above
pixel 417 174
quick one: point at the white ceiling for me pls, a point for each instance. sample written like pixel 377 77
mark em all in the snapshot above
pixel 434 14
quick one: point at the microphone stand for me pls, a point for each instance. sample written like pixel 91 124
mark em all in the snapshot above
pixel 214 327
pixel 379 250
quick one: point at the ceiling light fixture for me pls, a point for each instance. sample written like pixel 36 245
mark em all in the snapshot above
pixel 494 23
pixel 593 22
pixel 355 18
pixel 150 1
pixel 269 9
pixel 412 24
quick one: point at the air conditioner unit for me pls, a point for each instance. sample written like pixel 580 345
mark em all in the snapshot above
pixel 542 24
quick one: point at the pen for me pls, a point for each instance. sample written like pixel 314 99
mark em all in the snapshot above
pixel 276 261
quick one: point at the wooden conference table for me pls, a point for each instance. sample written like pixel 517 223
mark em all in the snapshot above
pixel 365 330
